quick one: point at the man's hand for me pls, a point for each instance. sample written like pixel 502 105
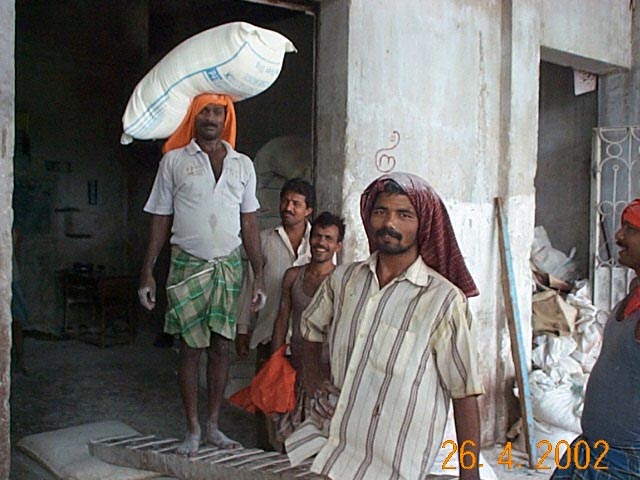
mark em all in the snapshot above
pixel 258 297
pixel 147 292
pixel 242 344
pixel 325 399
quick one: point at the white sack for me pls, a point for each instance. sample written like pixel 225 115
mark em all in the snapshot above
pixel 550 350
pixel 559 404
pixel 543 431
pixel 549 260
pixel 237 59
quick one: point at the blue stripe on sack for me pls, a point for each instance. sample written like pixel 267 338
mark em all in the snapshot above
pixel 153 111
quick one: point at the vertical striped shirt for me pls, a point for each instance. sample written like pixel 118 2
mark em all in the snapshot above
pixel 398 354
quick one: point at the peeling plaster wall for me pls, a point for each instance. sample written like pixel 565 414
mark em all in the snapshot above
pixel 7 88
pixel 450 93
pixel 331 104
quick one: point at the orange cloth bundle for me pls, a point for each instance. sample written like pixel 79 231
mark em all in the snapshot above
pixel 272 390
pixel 187 129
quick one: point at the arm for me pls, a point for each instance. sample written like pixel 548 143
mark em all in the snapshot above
pixel 251 241
pixel 281 324
pixel 158 234
pixel 467 419
pixel 324 394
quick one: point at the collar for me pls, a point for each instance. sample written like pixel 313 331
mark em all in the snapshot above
pixel 418 272
pixel 282 233
pixel 193 148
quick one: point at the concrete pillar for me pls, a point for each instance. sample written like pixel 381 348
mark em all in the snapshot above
pixel 7 94
pixel 331 103
pixel 619 93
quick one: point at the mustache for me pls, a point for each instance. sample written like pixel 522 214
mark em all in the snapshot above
pixel 388 231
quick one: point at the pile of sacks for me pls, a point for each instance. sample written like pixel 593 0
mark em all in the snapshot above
pixel 567 337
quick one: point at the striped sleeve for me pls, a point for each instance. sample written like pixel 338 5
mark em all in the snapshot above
pixel 456 353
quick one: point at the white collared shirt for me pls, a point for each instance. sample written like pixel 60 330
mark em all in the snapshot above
pixel 206 212
pixel 278 256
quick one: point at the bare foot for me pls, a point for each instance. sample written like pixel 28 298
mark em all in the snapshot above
pixel 190 445
pixel 216 438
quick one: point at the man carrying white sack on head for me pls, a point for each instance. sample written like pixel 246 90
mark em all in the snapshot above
pixel 205 194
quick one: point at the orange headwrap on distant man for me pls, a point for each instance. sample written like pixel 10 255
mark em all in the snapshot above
pixel 631 213
pixel 187 129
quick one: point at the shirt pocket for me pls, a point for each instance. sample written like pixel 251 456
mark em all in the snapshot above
pixel 393 350
pixel 233 186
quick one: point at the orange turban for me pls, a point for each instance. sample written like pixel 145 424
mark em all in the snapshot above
pixel 631 213
pixel 186 131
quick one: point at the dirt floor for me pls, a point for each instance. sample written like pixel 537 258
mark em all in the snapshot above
pixel 73 383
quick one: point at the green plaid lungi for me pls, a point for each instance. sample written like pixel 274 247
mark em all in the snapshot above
pixel 202 297
pixel 617 464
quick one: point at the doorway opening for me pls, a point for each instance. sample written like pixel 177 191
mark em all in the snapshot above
pixel 563 176
pixel 79 193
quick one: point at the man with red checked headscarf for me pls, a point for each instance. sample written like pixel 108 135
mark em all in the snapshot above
pixel 609 447
pixel 205 195
pixel 401 342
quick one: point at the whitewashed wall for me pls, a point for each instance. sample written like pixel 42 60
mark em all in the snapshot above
pixel 591 31
pixel 449 90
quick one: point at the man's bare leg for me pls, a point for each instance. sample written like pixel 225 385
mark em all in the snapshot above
pixel 217 369
pixel 188 378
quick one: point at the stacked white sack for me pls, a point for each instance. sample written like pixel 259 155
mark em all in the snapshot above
pixel 237 59
pixel 562 367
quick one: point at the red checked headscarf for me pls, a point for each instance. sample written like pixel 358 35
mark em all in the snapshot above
pixel 186 131
pixel 436 239
pixel 631 215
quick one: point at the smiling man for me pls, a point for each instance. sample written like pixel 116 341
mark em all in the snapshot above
pixel 299 285
pixel 401 345
pixel 283 246
pixel 609 447
pixel 205 195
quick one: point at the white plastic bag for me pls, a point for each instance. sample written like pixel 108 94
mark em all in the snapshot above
pixel 559 403
pixel 549 260
pixel 237 59
pixel 552 435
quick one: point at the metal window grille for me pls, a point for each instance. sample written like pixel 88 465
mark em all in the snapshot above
pixel 615 182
